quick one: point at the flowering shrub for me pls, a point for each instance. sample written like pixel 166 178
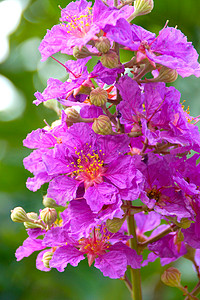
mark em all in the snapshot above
pixel 121 135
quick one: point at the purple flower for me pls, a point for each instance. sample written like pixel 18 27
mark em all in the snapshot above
pixel 170 48
pixel 155 112
pixel 85 164
pixel 111 256
pixel 160 191
pixel 79 79
pixel 80 24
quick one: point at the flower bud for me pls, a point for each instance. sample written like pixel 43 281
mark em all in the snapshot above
pixel 19 215
pixel 52 104
pixel 115 224
pixel 110 60
pixel 81 52
pixel 141 7
pixel 102 125
pixel 102 44
pixel 46 258
pixel 32 216
pixel 48 202
pixel 171 277
pixel 165 75
pixel 48 215
pixel 72 115
pixel 98 96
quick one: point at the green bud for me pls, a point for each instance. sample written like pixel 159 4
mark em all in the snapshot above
pixel 72 115
pixel 102 125
pixel 98 96
pixel 52 104
pixel 19 215
pixel 48 215
pixel 46 258
pixel 102 44
pixel 110 59
pixel 82 52
pixel 165 75
pixel 115 224
pixel 32 216
pixel 48 202
pixel 172 277
pixel 141 7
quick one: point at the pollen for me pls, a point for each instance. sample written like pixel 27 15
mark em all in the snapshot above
pixel 154 194
pixel 79 25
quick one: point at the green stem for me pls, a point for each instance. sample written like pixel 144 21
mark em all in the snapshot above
pixel 195 291
pixel 135 273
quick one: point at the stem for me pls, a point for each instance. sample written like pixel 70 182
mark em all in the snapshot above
pixel 127 283
pixel 135 273
pixel 195 291
pixel 158 236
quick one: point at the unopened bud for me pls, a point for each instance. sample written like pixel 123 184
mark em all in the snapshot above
pixel 98 96
pixel 165 75
pixel 48 202
pixel 48 215
pixel 72 115
pixel 110 60
pixel 46 258
pixel 19 215
pixel 82 52
pixel 141 7
pixel 171 277
pixel 115 224
pixel 102 125
pixel 102 44
pixel 32 216
pixel 52 104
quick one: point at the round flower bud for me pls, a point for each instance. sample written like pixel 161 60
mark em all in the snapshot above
pixel 165 75
pixel 102 125
pixel 48 215
pixel 48 202
pixel 98 97
pixel 110 60
pixel 52 104
pixel 72 115
pixel 46 258
pixel 81 52
pixel 32 216
pixel 141 7
pixel 102 44
pixel 171 277
pixel 19 215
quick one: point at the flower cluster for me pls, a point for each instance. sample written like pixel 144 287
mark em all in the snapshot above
pixel 120 137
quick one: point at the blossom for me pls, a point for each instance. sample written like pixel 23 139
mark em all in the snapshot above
pixel 78 79
pixel 111 256
pixel 170 48
pixel 155 112
pixel 79 24
pixel 160 191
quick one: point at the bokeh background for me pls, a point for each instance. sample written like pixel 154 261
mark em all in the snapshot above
pixel 23 23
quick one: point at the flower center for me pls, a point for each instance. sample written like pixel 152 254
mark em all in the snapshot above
pixel 89 167
pixel 154 194
pixel 95 245
pixel 79 25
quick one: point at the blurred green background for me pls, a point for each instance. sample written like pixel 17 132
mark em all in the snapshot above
pixel 23 24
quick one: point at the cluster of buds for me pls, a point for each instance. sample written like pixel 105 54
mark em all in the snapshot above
pixel 31 220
